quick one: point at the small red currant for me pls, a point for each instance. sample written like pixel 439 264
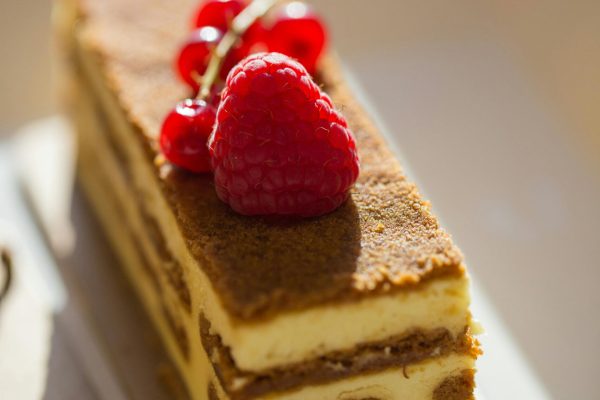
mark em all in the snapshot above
pixel 184 134
pixel 298 33
pixel 195 53
pixel 254 39
pixel 218 13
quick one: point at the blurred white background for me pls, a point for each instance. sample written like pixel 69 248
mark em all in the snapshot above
pixel 495 106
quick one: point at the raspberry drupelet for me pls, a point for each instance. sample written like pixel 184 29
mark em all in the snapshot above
pixel 279 146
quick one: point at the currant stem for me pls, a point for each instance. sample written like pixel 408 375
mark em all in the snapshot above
pixel 239 26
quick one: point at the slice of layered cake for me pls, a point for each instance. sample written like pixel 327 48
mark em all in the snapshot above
pixel 368 301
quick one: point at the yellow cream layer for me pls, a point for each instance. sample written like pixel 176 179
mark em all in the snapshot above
pixel 307 334
pixel 392 384
pixel 291 337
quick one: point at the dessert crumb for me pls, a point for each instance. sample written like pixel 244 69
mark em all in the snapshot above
pixel 159 160
pixel 379 228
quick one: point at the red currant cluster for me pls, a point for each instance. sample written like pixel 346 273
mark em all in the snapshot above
pixel 276 143
pixel 294 30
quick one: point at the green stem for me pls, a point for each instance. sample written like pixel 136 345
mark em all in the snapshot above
pixel 239 26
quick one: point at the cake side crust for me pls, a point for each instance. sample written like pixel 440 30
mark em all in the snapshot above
pixel 290 336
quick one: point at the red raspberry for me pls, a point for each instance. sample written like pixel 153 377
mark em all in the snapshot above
pixel 279 146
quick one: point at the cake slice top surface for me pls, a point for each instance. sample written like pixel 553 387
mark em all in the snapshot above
pixel 383 239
